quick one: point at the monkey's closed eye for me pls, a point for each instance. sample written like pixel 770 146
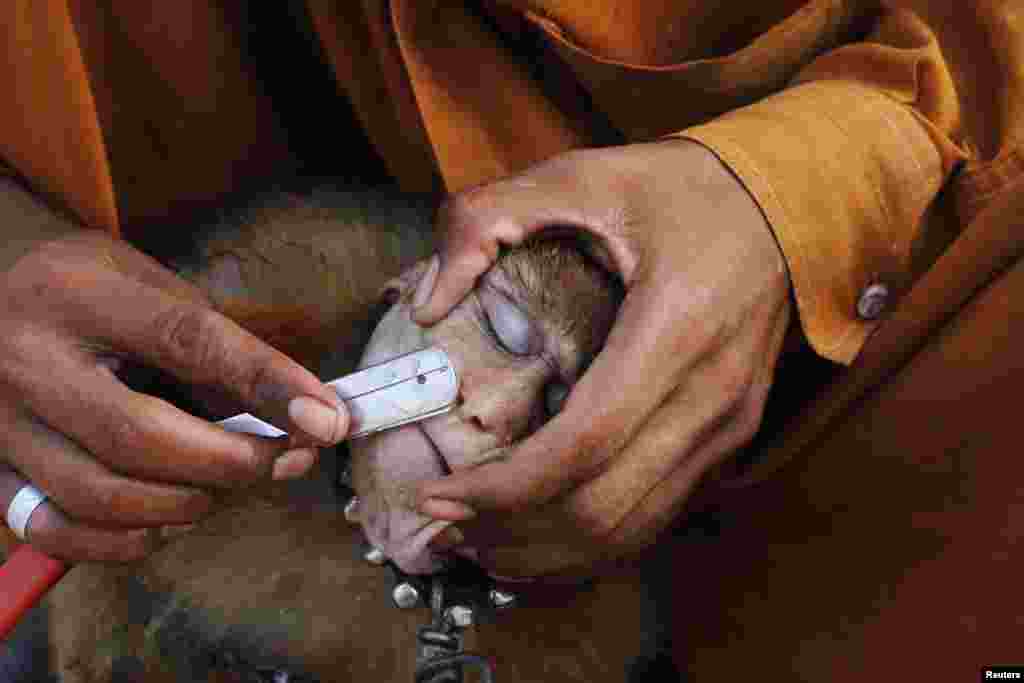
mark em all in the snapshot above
pixel 508 324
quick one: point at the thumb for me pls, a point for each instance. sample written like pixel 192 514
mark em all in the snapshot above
pixel 536 471
pixel 474 225
pixel 450 277
pixel 508 486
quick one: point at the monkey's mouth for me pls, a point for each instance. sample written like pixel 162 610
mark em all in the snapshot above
pixel 446 468
pixel 403 457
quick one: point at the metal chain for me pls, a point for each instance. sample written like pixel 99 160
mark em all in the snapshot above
pixel 457 597
pixel 439 655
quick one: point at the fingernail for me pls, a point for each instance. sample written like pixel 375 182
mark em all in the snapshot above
pixel 294 463
pixel 316 419
pixel 426 286
pixel 450 510
pixel 352 510
pixel 448 539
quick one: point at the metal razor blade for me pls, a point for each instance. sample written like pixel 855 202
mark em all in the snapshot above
pixel 399 391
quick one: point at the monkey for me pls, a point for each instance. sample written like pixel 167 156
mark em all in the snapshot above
pixel 273 586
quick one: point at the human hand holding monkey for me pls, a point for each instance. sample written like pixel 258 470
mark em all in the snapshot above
pixel 681 381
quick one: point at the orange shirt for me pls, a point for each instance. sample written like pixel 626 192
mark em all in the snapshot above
pixel 844 118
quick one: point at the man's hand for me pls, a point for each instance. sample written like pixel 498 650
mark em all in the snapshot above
pixel 681 381
pixel 117 463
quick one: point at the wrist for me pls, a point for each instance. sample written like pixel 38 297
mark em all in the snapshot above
pixel 718 179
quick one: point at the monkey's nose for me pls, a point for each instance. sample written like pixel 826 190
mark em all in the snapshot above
pixel 487 418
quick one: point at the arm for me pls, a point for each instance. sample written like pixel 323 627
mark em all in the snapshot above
pixel 847 160
pixel 843 165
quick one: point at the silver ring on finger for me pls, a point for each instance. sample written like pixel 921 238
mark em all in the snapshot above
pixel 26 501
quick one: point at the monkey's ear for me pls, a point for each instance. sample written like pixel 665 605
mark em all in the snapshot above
pixel 402 287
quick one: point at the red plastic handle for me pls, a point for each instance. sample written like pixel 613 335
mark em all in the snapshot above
pixel 24 578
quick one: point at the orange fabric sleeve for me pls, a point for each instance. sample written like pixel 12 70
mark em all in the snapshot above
pixel 846 161
pixel 50 132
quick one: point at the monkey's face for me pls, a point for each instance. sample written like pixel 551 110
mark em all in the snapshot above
pixel 518 342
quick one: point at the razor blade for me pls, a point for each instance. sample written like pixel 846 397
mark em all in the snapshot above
pixel 406 389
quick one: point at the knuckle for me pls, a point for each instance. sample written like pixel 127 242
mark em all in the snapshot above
pixel 242 465
pixel 190 336
pixel 195 505
pixel 19 346
pixel 106 500
pixel 93 501
pixel 18 341
pixel 471 201
pixel 193 337
pixel 50 257
pixel 752 414
pixel 82 503
pixel 748 429
pixel 56 535
pixel 735 380
pixel 595 445
pixel 588 453
pixel 35 278
pixel 745 428
pixel 465 213
pixel 255 380
pixel 246 466
pixel 126 436
pixel 50 269
pixel 702 336
pixel 459 210
pixel 128 546
pixel 460 218
pixel 136 548
pixel 594 520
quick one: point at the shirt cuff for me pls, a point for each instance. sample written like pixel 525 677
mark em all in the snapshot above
pixel 844 175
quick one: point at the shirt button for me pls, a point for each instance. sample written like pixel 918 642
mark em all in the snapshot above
pixel 872 301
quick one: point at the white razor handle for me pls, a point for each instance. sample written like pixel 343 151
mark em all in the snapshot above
pixel 405 389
